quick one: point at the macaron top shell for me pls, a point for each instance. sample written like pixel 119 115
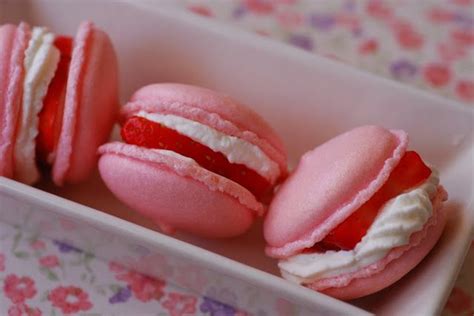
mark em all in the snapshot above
pixel 91 105
pixel 212 109
pixel 13 44
pixel 329 184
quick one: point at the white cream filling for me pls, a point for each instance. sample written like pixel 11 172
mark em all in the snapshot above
pixel 235 149
pixel 399 218
pixel 41 61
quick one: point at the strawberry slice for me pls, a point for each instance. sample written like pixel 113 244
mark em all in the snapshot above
pixel 410 172
pixel 145 133
pixel 50 117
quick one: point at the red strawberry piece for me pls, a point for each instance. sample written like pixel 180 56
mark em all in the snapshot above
pixel 145 133
pixel 50 117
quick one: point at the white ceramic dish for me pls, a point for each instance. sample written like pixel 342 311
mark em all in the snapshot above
pixel 307 99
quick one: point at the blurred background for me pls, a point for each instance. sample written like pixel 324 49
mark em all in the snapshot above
pixel 428 44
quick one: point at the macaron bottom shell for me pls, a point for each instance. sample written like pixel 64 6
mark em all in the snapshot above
pixel 91 105
pixel 166 190
pixel 392 267
pixel 13 43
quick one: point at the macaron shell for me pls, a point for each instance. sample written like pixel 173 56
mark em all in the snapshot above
pixel 175 192
pixel 13 43
pixel 394 266
pixel 210 108
pixel 329 184
pixel 7 37
pixel 91 105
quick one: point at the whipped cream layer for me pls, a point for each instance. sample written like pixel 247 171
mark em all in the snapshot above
pixel 235 149
pixel 398 219
pixel 41 61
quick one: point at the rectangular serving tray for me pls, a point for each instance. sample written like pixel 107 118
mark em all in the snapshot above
pixel 306 98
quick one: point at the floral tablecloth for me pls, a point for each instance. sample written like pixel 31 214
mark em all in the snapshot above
pixel 427 44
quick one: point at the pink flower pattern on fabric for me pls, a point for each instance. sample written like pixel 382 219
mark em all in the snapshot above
pixel 23 310
pixel 178 304
pixel 49 261
pixel 143 287
pixel 18 289
pixel 38 245
pixel 70 299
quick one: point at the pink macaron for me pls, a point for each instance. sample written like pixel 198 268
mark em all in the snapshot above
pixel 58 101
pixel 193 160
pixel 356 215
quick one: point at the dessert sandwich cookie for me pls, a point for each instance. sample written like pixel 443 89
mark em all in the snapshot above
pixel 194 160
pixel 58 101
pixel 356 215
